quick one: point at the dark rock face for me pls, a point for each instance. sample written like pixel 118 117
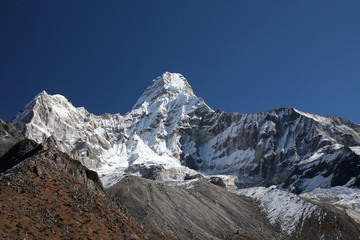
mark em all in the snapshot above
pixel 27 148
pixel 217 181
pixel 200 211
pixel 9 136
pixel 20 151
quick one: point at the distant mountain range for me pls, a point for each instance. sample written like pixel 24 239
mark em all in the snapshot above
pixel 185 171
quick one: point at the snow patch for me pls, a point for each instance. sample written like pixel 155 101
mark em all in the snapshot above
pixel 62 112
pixel 188 184
pixel 176 83
pixel 318 181
pixel 317 118
pixel 40 94
pixel 314 157
pixel 341 196
pixel 356 150
pixel 282 208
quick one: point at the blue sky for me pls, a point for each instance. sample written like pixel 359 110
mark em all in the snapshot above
pixel 240 56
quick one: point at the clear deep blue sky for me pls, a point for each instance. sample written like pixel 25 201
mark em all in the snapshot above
pixel 240 56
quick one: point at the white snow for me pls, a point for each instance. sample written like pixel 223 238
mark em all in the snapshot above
pixel 268 127
pixel 326 154
pixel 322 154
pixel 62 112
pixel 341 196
pixel 318 181
pixel 317 118
pixel 188 184
pixel 176 83
pixel 219 162
pixel 236 160
pixel 313 157
pixel 40 94
pixel 281 208
pixel 356 150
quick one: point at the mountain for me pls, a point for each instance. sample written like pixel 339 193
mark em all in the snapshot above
pixel 185 171
pixel 171 133
pixel 45 194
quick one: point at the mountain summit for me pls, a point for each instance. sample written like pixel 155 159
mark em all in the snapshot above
pixel 169 84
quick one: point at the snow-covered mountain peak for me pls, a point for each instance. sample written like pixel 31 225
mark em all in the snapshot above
pixel 47 99
pixel 176 82
pixel 168 86
pixel 152 129
pixel 54 120
pixel 44 107
pixel 43 92
pixel 172 129
pixel 43 103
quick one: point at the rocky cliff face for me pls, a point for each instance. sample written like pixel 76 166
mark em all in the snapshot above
pixel 173 132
